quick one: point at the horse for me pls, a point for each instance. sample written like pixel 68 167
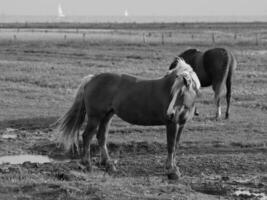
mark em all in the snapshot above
pixel 169 101
pixel 214 67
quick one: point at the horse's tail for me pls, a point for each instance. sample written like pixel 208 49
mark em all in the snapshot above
pixel 225 75
pixel 232 67
pixel 70 123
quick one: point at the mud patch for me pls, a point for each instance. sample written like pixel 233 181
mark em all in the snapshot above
pixel 29 123
pixel 211 188
pixel 38 191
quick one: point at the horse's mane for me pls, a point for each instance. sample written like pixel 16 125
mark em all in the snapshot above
pixel 180 66
pixel 185 70
pixel 189 52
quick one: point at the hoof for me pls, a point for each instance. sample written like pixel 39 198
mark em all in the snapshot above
pixel 88 168
pixel 74 151
pixel 173 174
pixel 110 167
pixel 87 165
pixel 217 118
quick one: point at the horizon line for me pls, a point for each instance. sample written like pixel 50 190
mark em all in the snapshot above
pixel 119 15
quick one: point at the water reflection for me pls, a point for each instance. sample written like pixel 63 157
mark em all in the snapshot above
pixel 9 133
pixel 248 194
pixel 19 159
pixel 9 136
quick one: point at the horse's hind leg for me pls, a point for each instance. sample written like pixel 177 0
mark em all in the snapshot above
pixel 102 135
pixel 219 110
pixel 88 134
pixel 217 96
pixel 228 95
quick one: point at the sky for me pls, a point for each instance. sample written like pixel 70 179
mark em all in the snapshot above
pixel 135 7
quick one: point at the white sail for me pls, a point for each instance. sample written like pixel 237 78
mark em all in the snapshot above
pixel 60 11
pixel 126 13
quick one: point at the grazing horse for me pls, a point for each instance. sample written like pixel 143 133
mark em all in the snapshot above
pixel 215 68
pixel 167 101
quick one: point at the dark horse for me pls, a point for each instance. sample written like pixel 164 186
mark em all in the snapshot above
pixel 165 101
pixel 215 68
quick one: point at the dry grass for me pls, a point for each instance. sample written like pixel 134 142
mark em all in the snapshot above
pixel 37 82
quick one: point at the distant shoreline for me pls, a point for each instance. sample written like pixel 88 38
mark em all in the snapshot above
pixel 132 19
pixel 133 25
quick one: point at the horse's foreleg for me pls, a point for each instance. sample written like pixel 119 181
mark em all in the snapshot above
pixel 88 134
pixel 180 131
pixel 171 169
pixel 102 135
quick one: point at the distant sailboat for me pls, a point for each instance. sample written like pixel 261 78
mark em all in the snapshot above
pixel 60 12
pixel 126 13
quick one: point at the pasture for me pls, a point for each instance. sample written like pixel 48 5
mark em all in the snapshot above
pixel 40 70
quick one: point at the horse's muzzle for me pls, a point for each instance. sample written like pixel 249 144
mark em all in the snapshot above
pixel 173 115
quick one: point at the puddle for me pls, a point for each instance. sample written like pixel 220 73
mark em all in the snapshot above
pixel 262 52
pixel 248 194
pixel 9 136
pixel 244 181
pixel 19 159
pixel 257 52
pixel 10 130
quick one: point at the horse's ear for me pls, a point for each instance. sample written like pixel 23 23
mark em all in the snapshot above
pixel 174 63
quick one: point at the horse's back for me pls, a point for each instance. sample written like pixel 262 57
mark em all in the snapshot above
pixel 111 80
pixel 103 81
pixel 216 62
pixel 110 91
pixel 217 57
pixel 100 91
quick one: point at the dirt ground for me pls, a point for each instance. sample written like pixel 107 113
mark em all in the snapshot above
pixel 225 159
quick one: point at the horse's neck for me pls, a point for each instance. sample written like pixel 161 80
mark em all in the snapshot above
pixel 167 83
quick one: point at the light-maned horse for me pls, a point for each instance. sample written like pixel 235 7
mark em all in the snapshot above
pixel 167 101
pixel 215 68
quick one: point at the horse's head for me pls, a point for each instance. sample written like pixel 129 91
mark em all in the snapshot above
pixel 184 90
pixel 189 56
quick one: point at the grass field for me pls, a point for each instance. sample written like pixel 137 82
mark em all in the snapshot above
pixel 40 70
